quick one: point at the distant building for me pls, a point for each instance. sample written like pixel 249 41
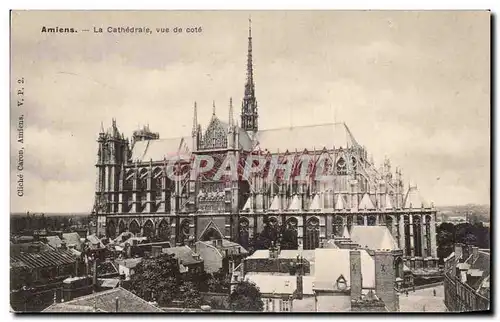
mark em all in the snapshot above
pixel 220 254
pixel 323 280
pixel 467 279
pixel 114 300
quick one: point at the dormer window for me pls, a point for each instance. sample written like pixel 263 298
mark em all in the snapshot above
pixel 341 283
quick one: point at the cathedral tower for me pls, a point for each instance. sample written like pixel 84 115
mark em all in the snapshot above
pixel 112 154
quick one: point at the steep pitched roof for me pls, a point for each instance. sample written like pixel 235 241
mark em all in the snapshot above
pixel 72 239
pixel 54 241
pixel 346 233
pixel 481 268
pixel 413 199
pixel 308 137
pixel 331 263
pixel 315 203
pixel 45 259
pixel 339 205
pixel 366 203
pixel 105 302
pixel 183 253
pixel 373 237
pixel 157 150
pixel 245 142
pixel 248 204
pixel 277 284
pixel 275 205
pixel 295 204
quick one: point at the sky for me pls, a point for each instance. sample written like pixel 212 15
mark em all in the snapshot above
pixel 412 86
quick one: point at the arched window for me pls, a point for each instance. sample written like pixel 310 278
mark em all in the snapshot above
pixel 128 183
pixel 388 223
pixel 428 234
pixel 341 166
pixel 142 186
pixel 349 223
pixel 354 163
pixel 398 267
pixel 128 187
pixel 121 227
pixel 156 184
pixel 185 230
pixel 289 236
pixel 312 234
pixel 407 250
pixel 243 232
pixel 372 220
pixel 338 226
pixel 134 227
pixel 417 235
pixel 164 230
pixel 149 230
pixel 111 229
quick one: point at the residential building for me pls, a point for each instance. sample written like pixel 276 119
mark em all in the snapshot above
pixel 220 255
pixel 188 260
pixel 467 279
pixel 323 280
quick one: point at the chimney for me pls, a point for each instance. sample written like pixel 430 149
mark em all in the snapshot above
pixel 300 287
pixel 128 248
pixel 243 267
pixel 156 251
pixel 117 304
pixel 356 278
pixel 458 251
pixel 475 253
pixel 385 279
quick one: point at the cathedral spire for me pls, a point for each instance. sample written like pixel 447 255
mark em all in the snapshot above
pixel 195 120
pixel 102 128
pixel 213 108
pixel 249 116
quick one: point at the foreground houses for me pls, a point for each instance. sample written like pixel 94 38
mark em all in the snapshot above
pixel 114 300
pixel 323 280
pixel 467 279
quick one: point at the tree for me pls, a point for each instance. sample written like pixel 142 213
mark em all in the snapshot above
pixel 219 282
pixel 288 239
pixel 190 295
pixel 246 297
pixel 156 279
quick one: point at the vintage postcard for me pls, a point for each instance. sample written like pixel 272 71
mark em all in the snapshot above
pixel 262 161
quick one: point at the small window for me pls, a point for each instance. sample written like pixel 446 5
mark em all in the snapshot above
pixel 285 307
